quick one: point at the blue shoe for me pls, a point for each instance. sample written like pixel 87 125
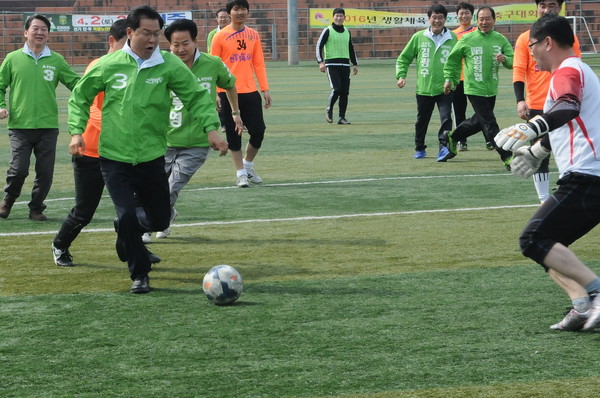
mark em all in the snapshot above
pixel 443 154
pixel 449 150
pixel 420 154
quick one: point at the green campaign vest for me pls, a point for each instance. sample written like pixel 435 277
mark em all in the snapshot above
pixel 337 45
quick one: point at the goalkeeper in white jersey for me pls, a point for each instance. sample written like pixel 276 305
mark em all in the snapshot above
pixel 570 129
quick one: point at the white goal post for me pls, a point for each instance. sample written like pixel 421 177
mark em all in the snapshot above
pixel 575 21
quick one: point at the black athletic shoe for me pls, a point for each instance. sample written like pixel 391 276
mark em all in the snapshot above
pixel 343 121
pixel 62 257
pixel 140 285
pixel 154 259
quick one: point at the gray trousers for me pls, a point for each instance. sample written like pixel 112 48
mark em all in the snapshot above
pixel 180 165
pixel 42 142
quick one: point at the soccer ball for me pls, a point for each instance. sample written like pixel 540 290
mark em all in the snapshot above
pixel 222 284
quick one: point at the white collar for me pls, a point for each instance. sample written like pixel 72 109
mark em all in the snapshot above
pixel 155 59
pixel 45 52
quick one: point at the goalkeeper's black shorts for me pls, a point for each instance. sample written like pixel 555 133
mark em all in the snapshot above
pixel 566 216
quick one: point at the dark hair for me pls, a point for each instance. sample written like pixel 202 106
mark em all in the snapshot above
pixel 134 17
pixel 182 25
pixel 339 11
pixel 557 27
pixel 487 8
pixel 118 30
pixel 466 6
pixel 239 3
pixel 560 2
pixel 220 10
pixel 437 9
pixel 37 16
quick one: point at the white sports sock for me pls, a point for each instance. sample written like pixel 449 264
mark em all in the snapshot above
pixel 541 181
pixel 241 172
pixel 581 304
pixel 247 164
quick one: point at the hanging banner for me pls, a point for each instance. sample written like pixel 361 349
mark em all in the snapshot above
pixel 369 19
pixel 94 23
pixel 58 22
pixel 97 23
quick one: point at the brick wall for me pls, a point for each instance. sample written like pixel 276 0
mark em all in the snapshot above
pixel 269 17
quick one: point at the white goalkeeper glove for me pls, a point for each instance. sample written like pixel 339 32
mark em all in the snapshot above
pixel 527 160
pixel 514 137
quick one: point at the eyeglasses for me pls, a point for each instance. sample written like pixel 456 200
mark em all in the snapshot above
pixel 533 44
pixel 148 34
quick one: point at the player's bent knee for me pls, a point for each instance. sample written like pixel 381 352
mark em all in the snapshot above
pixel 533 248
pixel 256 141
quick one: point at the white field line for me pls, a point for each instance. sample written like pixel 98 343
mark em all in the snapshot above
pixel 291 184
pixel 294 219
pixel 308 218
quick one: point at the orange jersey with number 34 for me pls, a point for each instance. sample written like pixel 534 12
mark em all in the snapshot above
pixel 242 52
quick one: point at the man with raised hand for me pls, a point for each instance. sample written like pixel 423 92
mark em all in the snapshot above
pixel 531 86
pixel 32 74
pixel 570 125
pixel 137 82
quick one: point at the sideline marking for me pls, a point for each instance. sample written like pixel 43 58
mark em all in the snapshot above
pixel 307 218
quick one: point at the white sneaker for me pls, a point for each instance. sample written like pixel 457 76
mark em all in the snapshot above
pixel 163 234
pixel 252 176
pixel 593 320
pixel 572 322
pixel 147 238
pixel 242 181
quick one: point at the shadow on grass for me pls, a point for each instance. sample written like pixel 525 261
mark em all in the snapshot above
pixel 121 267
pixel 312 291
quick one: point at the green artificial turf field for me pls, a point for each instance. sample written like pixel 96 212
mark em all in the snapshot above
pixel 367 273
